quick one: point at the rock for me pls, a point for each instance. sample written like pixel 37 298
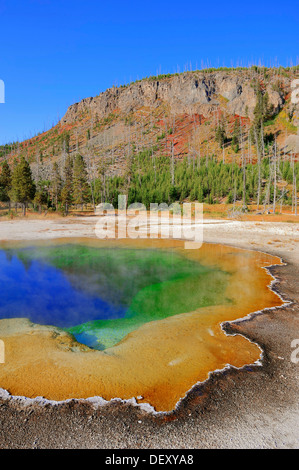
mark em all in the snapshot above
pixel 291 144
pixel 244 104
pixel 190 92
pixel 230 88
pixel 275 98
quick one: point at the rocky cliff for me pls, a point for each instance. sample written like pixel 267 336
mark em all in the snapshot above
pixel 193 93
pixel 171 114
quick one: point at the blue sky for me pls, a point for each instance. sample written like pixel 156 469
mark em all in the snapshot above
pixel 55 52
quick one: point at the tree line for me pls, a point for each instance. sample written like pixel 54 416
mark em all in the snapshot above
pixel 18 186
pixel 151 179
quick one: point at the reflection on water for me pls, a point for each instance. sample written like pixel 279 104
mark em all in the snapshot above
pixel 102 294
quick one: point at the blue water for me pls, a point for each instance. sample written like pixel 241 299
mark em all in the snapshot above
pixel 45 295
pixel 99 294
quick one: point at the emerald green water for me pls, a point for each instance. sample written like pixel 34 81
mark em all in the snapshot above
pixel 101 294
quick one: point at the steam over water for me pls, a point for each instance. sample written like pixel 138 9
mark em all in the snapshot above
pixel 101 294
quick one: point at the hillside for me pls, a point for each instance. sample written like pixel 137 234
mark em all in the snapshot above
pixel 170 114
pixel 215 136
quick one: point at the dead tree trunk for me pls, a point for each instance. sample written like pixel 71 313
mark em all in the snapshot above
pixel 259 170
pixel 275 176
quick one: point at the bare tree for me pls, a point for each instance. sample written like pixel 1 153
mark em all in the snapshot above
pixel 243 164
pixel 275 175
pixel 259 169
pixel 172 163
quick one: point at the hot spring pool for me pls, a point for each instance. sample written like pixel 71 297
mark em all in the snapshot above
pixel 101 294
pixel 83 318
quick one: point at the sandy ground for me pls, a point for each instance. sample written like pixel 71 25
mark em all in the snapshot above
pixel 256 407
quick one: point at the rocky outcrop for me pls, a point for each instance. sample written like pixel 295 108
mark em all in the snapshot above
pixel 291 144
pixel 191 92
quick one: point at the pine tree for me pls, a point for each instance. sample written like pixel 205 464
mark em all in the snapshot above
pixel 56 184
pixel 22 185
pixel 66 193
pixel 221 135
pixel 41 194
pixel 66 143
pixel 80 182
pixel 5 182
pixel 236 135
